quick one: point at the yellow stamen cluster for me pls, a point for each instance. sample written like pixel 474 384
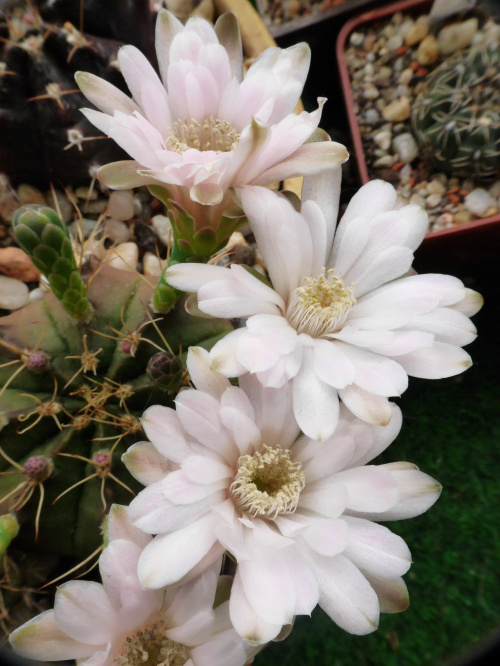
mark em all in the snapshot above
pixel 151 647
pixel 211 134
pixel 268 483
pixel 321 305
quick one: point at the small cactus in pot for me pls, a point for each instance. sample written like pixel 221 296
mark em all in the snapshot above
pixel 456 117
pixel 77 369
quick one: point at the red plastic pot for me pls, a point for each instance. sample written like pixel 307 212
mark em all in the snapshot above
pixel 461 245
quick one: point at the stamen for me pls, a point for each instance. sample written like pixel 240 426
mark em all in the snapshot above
pixel 151 647
pixel 321 305
pixel 268 483
pixel 213 134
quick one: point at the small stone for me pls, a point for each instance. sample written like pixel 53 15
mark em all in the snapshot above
pixel 27 194
pixel 462 217
pixel 416 33
pixel 457 36
pixel 163 227
pixel 86 193
pixel 16 264
pixel 384 73
pixel 117 230
pixel 395 42
pixel 428 51
pixel 383 139
pixel 468 185
pixel 433 200
pixel 397 110
pixel 37 294
pixel 489 212
pixel 152 265
pixel 121 205
pixel 406 76
pixel 97 206
pixel 417 199
pixel 371 115
pixel 406 146
pixel 478 201
pixel 370 91
pixel 356 38
pixel 445 220
pixel 14 294
pixel 124 256
pixel 368 42
pixel 385 161
pixel 436 187
pixel 405 174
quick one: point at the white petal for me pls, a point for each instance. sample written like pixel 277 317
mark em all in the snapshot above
pixel 164 429
pixel 392 593
pixel 223 356
pixel 325 536
pixel 369 488
pixel 238 416
pixel 202 376
pixel 120 527
pixel 324 189
pixel 145 463
pixel 436 362
pixel 370 408
pixel 245 620
pixel 332 365
pixel 103 94
pixel 82 610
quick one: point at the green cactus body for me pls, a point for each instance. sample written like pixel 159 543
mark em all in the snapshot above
pixel 456 117
pixel 73 392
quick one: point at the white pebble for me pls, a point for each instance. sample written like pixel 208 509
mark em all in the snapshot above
pixel 37 294
pixel 436 187
pixel 152 265
pixel 457 36
pixel 395 42
pixel 383 139
pixel 13 293
pixel 371 115
pixel 370 91
pixel 433 200
pixel 406 146
pixel 397 110
pixel 479 200
pixel 124 256
pixel 163 227
pixel 356 38
pixel 495 189
pixel 121 205
pixel 404 174
pixel 385 161
pixel 116 230
pixel 417 199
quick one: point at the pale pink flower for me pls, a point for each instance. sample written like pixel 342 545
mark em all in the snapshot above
pixel 119 623
pixel 297 516
pixel 343 317
pixel 202 127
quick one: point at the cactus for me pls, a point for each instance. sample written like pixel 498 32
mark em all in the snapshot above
pixel 39 101
pixel 456 117
pixel 74 386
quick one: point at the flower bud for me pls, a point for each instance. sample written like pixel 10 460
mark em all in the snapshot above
pixel 166 370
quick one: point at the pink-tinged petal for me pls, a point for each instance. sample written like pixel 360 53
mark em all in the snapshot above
pixel 285 369
pixel 269 587
pixel 204 470
pixel 195 630
pixel 180 490
pixel 195 596
pixel 256 356
pixel 374 373
pixel 103 94
pixel 122 175
pixel 208 194
pixel 118 569
pixel 325 536
pixel 369 488
pixel 223 355
pixel 228 34
pixel 436 362
pixel 167 27
pixel 253 140
pixel 417 493
pixel 273 411
pixel 42 638
pixel 154 102
pixel 325 499
pixel 82 610
pixel 163 427
pixel 382 437
pixel 282 235
pixel 332 365
pixel 237 414
pixel 309 159
pixel 231 532
pixel 120 527
pixel 345 595
pixel 368 407
pixel 146 464
pixel 375 549
pixel 192 276
pixel 417 223
pixel 447 325
pixel 315 404
pixel 470 304
pixel 152 513
pixel 245 620
pixel 324 189
pixel 102 121
pixel 136 70
pixel 392 593
pixel 205 379
pixel 322 459
pixel 224 649
pixel 200 417
pixel 169 557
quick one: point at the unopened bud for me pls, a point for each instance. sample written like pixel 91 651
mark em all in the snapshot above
pixel 38 468
pixel 166 370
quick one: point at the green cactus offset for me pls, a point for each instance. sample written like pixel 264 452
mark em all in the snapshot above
pixel 456 117
pixel 77 369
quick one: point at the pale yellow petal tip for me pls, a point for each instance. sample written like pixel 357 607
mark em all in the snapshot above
pixel 253 640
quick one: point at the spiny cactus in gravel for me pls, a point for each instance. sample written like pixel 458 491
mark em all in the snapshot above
pixel 76 370
pixel 456 117
pixel 43 136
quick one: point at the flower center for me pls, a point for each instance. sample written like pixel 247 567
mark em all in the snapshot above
pixel 150 647
pixel 268 483
pixel 211 134
pixel 321 305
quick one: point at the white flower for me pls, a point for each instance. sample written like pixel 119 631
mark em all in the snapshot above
pixel 202 126
pixel 119 623
pixel 296 516
pixel 344 317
